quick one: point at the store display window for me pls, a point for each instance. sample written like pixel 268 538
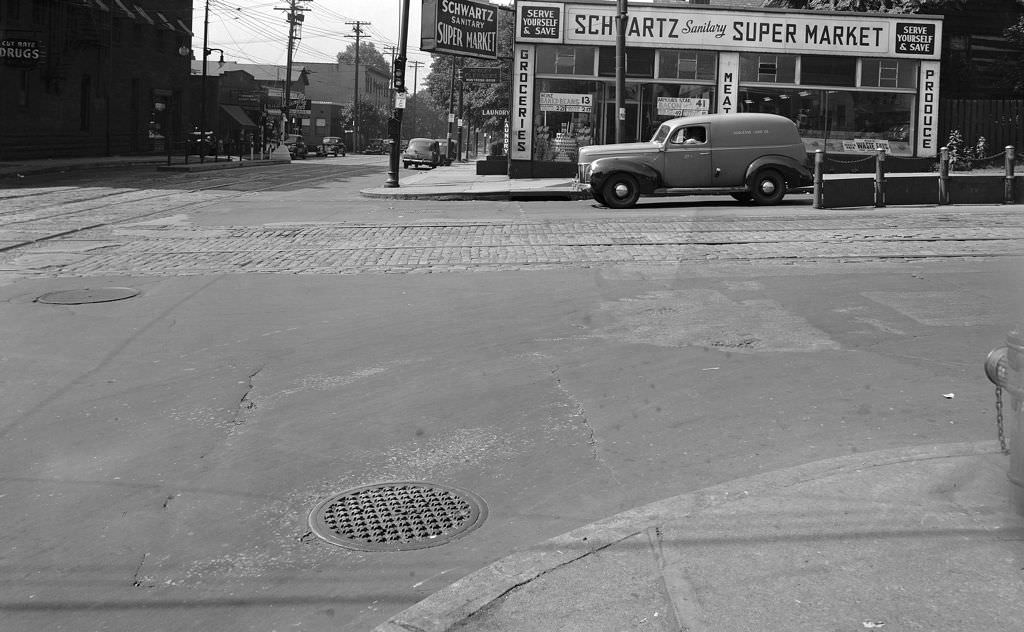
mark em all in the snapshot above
pixel 840 121
pixel 565 111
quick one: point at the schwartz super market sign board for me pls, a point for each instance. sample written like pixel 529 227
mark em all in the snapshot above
pixel 459 27
pixel 688 27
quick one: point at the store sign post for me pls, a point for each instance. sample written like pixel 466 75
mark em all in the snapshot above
pixel 928 110
pixel 459 27
pixel 522 103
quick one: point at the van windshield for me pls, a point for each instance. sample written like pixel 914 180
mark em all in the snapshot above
pixel 662 133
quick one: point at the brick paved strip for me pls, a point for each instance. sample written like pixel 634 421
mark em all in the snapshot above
pixel 388 248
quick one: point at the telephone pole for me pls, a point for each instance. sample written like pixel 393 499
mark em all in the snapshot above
pixel 357 26
pixel 415 70
pixel 295 18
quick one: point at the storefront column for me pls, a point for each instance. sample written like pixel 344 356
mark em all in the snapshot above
pixel 728 83
pixel 521 150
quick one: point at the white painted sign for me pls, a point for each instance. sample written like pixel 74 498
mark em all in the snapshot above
pixel 686 26
pixel 928 110
pixel 565 102
pixel 682 106
pixel 523 62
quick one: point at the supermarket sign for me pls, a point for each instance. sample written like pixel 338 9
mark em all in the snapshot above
pixel 459 27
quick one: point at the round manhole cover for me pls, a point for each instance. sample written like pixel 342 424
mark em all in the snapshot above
pixel 397 516
pixel 88 295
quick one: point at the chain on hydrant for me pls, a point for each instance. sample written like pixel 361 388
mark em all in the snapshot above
pixel 995 369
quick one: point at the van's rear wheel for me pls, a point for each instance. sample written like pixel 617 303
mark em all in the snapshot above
pixel 620 190
pixel 768 187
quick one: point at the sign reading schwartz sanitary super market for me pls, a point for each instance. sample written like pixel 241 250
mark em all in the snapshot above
pixel 688 27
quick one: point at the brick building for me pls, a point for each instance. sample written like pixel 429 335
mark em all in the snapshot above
pixel 92 77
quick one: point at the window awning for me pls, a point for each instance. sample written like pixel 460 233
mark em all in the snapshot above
pixel 239 115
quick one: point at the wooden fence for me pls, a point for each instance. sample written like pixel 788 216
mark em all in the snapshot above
pixel 1001 122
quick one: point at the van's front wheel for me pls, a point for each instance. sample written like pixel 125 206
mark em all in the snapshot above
pixel 620 190
pixel 768 187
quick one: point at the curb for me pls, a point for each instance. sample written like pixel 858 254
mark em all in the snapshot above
pixel 42 170
pixel 500 196
pixel 447 607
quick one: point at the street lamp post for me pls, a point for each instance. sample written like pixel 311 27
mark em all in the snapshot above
pixel 395 124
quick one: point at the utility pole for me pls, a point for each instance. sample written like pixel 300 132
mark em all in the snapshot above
pixel 451 107
pixel 462 85
pixel 357 26
pixel 295 18
pixel 398 74
pixel 620 72
pixel 415 70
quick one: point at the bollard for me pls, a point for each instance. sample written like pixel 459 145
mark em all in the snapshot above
pixel 1008 196
pixel 944 175
pixel 1005 368
pixel 819 167
pixel 880 179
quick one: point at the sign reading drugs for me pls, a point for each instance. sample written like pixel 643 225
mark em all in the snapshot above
pixel 459 27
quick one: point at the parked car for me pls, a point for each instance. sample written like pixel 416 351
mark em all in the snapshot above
pixel 422 151
pixel 377 146
pixel 296 145
pixel 330 146
pixel 752 157
pixel 447 157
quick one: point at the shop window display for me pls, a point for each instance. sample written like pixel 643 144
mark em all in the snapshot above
pixel 563 123
pixel 840 120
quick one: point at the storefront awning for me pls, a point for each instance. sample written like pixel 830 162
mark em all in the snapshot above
pixel 239 115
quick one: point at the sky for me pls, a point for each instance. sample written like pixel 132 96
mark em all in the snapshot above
pixel 255 32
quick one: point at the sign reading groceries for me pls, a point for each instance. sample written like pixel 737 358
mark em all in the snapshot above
pixel 563 102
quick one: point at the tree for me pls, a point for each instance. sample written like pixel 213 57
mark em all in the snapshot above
pixel 1014 67
pixel 870 6
pixel 368 56
pixel 372 120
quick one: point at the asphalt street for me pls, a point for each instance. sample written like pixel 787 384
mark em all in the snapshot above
pixel 161 454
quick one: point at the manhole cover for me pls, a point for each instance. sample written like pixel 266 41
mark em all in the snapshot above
pixel 88 295
pixel 397 516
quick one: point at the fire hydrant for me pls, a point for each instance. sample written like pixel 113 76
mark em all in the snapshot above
pixel 1005 368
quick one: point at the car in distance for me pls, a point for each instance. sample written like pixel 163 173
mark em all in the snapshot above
pixel 421 152
pixel 750 156
pixel 296 146
pixel 331 146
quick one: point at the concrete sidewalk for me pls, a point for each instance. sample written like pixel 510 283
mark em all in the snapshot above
pixel 459 181
pixel 910 539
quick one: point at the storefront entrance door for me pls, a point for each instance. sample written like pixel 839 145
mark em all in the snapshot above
pixel 630 126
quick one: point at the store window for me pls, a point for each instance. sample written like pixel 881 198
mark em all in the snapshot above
pixel 840 120
pixel 888 73
pixel 565 114
pixel 822 70
pixel 757 68
pixel 686 64
pixel 639 62
pixel 565 60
